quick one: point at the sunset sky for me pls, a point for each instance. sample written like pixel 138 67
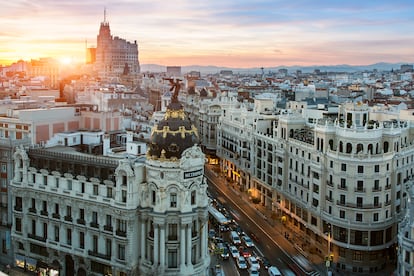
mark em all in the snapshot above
pixel 231 33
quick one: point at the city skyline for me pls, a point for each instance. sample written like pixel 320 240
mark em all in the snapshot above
pixel 222 33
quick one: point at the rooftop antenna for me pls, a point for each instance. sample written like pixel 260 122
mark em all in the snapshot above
pixel 104 14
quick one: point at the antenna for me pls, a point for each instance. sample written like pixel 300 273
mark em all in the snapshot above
pixel 104 14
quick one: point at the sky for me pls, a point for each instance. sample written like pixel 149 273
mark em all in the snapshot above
pixel 228 33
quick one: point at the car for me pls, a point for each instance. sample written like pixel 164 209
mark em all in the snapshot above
pixel 241 262
pixel 211 233
pixel 265 262
pixel 274 271
pixel 243 251
pixel 247 241
pixel 253 272
pixel 222 249
pixel 253 262
pixel 234 252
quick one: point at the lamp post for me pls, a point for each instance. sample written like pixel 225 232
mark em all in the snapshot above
pixel 329 257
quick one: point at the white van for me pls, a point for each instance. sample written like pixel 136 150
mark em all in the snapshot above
pixel 274 271
pixel 235 239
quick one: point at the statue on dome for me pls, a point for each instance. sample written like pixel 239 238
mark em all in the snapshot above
pixel 175 85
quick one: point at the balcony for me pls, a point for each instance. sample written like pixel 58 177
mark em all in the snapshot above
pixel 108 228
pixel 80 221
pixel 120 233
pixel 68 218
pixel 377 189
pixel 328 198
pixel 359 190
pixel 44 213
pixel 94 224
pixel 342 187
pixel 358 205
pixel 38 238
pixel 32 210
pixel 18 208
pixel 99 255
pixel 55 216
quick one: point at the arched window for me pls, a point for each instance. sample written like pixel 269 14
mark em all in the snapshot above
pixel 360 148
pixel 348 147
pixel 341 146
pixel 331 144
pixel 370 148
pixel 386 145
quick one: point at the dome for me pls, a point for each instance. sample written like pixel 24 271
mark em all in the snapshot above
pixel 174 134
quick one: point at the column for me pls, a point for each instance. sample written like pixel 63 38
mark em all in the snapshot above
pixel 156 244
pixel 189 242
pixel 182 245
pixel 203 240
pixel 162 246
pixel 143 237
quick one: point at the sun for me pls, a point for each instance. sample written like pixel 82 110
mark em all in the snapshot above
pixel 66 60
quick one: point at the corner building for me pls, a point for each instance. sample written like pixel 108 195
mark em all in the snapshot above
pixel 339 182
pixel 80 214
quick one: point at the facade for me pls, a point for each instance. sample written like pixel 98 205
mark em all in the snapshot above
pixel 76 213
pixel 115 56
pixel 406 239
pixel 340 182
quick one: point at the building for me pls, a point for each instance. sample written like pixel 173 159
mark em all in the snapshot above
pixel 118 213
pixel 338 183
pixel 115 56
pixel 406 239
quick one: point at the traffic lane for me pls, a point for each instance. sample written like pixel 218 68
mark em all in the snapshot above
pixel 250 219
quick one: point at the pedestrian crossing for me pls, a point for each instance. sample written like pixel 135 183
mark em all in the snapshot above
pixel 314 273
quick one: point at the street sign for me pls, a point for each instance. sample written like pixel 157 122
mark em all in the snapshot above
pixel 328 263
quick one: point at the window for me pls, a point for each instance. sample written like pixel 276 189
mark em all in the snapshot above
pixel 172 258
pixel 82 213
pixel 376 168
pixel 109 192
pixel 360 169
pixel 173 200
pixel 121 252
pixel 342 214
pixel 95 217
pixel 193 197
pixel 45 230
pixel 375 218
pixel 109 220
pixel 360 186
pixel 343 167
pixel 82 240
pixel 70 184
pixel 376 185
pixel 359 202
pixel 172 231
pixel 376 201
pixel 124 195
pixel 358 217
pixel 95 243
pixel 342 199
pixel 343 183
pixel 57 233
pixel 69 236
pixel 95 189
pixel 108 246
pixel 69 211
pixel 18 224
pixel 82 187
pixel 153 197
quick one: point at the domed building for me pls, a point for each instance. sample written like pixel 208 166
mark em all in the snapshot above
pixel 174 217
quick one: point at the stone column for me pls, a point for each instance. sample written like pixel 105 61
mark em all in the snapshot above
pixel 162 246
pixel 156 244
pixel 182 245
pixel 189 242
pixel 143 237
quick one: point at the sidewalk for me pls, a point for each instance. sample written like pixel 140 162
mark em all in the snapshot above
pixel 14 271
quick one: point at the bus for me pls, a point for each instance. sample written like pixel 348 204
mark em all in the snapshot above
pixel 217 218
pixel 304 265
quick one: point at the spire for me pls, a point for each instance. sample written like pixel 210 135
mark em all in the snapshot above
pixel 104 15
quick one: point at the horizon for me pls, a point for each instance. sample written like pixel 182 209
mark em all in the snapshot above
pixel 235 34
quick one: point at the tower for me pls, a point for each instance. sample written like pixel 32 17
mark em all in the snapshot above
pixel 174 217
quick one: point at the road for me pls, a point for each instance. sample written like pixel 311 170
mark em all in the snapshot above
pixel 270 240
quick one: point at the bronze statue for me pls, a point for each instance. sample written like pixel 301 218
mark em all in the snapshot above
pixel 176 87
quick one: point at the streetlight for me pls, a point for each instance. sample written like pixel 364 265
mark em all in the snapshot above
pixel 329 257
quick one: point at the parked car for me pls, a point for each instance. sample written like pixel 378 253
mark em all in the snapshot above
pixel 274 271
pixel 247 241
pixel 253 262
pixel 241 262
pixel 234 252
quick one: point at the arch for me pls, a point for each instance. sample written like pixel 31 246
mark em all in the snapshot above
pixel 331 144
pixel 348 148
pixel 386 146
pixel 359 148
pixel 69 265
pixel 291 133
pixel 81 272
pixel 370 148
